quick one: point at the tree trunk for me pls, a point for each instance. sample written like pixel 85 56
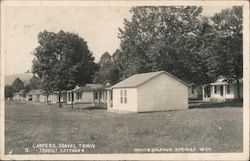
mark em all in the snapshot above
pixel 72 98
pixel 47 98
pixel 59 97
pixel 238 88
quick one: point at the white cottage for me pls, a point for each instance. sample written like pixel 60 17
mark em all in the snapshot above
pixel 221 90
pixel 34 95
pixel 19 96
pixel 55 97
pixel 154 91
pixel 91 94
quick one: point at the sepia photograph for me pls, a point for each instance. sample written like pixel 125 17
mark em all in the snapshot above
pixel 124 80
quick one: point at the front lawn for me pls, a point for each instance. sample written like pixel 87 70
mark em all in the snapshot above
pixel 27 124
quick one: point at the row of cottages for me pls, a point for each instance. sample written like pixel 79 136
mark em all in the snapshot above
pixel 22 96
pixel 154 91
pixel 37 95
pixel 91 95
pixel 221 90
pixel 19 96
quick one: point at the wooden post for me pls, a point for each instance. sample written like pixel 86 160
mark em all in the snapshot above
pixel 224 92
pixel 99 94
pixel 203 93
pixel 72 98
pixel 108 99
pixel 93 102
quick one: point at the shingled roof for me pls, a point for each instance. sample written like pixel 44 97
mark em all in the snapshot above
pixel 138 79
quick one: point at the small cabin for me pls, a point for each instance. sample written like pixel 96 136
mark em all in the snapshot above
pixel 93 95
pixel 222 90
pixel 145 92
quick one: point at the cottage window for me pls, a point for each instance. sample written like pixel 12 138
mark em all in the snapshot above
pixel 121 96
pixel 228 89
pixel 125 96
pixel 96 95
pixel 192 90
pixel 215 89
pixel 78 95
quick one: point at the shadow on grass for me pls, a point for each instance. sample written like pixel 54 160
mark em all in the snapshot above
pixel 93 108
pixel 89 108
pixel 233 104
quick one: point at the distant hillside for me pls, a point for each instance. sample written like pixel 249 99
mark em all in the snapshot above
pixel 25 77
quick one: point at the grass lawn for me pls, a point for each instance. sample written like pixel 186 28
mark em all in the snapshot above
pixel 26 124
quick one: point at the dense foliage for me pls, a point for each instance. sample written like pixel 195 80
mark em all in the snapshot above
pixel 108 70
pixel 179 40
pixel 62 60
pixel 17 85
pixel 8 91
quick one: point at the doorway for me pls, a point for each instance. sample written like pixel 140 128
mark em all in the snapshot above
pixel 221 90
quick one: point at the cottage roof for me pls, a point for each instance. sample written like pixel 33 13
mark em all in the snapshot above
pixel 90 87
pixel 223 81
pixel 57 92
pixel 36 91
pixel 138 79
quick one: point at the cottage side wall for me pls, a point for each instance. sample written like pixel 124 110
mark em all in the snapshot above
pixel 241 90
pixel 87 97
pixel 231 95
pixel 43 98
pixel 131 105
pixel 162 93
pixel 55 98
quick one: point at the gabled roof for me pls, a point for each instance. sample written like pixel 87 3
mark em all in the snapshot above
pixel 223 81
pixel 138 79
pixel 90 87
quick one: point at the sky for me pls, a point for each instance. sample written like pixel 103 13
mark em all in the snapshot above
pixel 98 25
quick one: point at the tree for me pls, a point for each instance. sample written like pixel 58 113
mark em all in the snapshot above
pixel 161 38
pixel 27 88
pixel 108 70
pixel 35 83
pixel 17 85
pixel 62 60
pixel 8 91
pixel 228 44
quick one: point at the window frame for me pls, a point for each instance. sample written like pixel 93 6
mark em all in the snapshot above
pixel 125 97
pixel 121 96
pixel 96 95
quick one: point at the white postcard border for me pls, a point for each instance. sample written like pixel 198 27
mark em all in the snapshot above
pixel 135 156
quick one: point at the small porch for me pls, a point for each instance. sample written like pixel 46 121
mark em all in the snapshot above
pixel 88 97
pixel 217 92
